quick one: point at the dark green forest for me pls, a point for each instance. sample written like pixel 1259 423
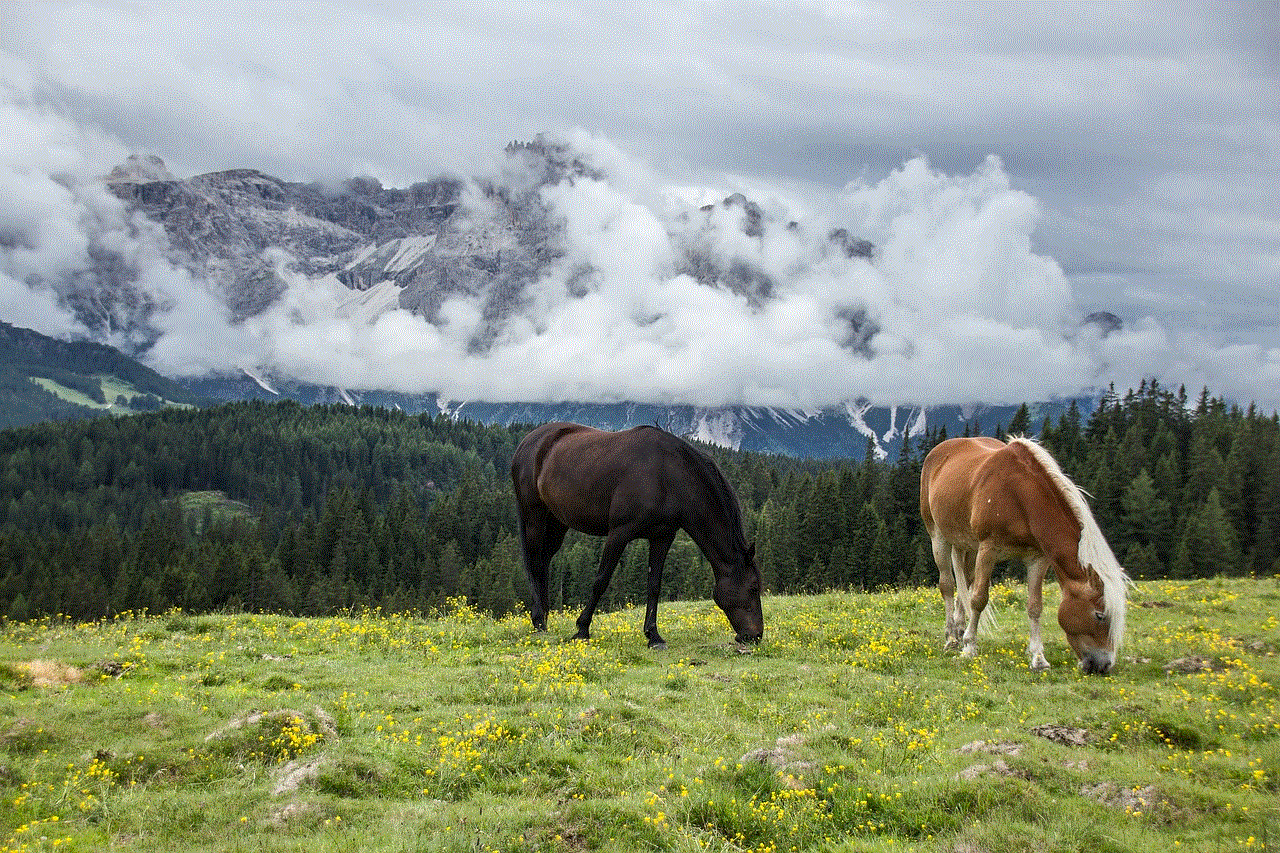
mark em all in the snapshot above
pixel 333 507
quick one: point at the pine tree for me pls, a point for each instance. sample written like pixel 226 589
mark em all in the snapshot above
pixel 1210 542
pixel 1204 469
pixel 1021 422
pixel 1147 518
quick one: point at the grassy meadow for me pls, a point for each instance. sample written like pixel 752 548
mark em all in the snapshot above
pixel 847 729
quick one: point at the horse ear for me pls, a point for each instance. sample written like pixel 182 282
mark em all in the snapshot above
pixel 751 551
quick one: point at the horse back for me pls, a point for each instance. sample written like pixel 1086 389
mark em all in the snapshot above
pixel 975 490
pixel 587 477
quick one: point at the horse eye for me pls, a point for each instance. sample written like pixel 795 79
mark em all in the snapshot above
pixel 1100 616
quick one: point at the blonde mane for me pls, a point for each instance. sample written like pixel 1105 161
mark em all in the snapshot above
pixel 1094 554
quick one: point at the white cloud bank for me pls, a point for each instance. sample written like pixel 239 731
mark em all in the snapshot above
pixel 964 309
pixel 963 305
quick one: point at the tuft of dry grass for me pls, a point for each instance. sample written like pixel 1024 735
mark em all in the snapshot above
pixel 51 673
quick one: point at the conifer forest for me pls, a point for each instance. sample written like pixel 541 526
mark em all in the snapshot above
pixel 279 507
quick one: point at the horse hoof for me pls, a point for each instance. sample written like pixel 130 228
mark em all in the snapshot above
pixel 950 644
pixel 1039 665
pixel 581 635
pixel 657 645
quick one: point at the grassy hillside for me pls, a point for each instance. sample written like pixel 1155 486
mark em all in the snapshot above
pixel 848 729
pixel 43 378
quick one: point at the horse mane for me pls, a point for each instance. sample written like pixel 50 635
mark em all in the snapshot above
pixel 714 478
pixel 1094 553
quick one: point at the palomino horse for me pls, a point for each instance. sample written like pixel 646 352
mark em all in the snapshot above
pixel 984 501
pixel 642 483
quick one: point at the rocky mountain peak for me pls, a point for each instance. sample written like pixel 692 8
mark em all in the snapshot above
pixel 554 158
pixel 1105 321
pixel 140 169
pixel 420 245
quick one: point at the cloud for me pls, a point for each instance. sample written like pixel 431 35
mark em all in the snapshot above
pixel 955 305
pixel 1134 170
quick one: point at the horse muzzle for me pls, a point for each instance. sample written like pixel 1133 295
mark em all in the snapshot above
pixel 748 639
pixel 1097 663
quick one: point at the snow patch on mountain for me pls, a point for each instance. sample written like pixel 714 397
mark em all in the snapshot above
pixel 260 380
pixel 920 425
pixel 409 252
pixel 722 428
pixel 856 412
pixel 367 305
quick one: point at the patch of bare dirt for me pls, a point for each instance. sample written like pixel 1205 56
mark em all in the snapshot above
pixel 1131 799
pixel 783 755
pixel 324 723
pixel 281 817
pixel 113 668
pixel 999 767
pixel 290 777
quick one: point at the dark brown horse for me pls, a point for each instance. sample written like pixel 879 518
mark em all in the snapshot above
pixel 641 483
pixel 983 501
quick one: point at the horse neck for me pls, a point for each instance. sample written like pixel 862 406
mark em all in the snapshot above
pixel 1063 554
pixel 720 537
pixel 1075 546
pixel 1057 532
pixel 718 545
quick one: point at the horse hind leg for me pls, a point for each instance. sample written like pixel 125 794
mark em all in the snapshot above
pixel 540 538
pixel 1036 570
pixel 942 556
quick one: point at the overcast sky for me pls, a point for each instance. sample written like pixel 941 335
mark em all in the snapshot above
pixel 1145 137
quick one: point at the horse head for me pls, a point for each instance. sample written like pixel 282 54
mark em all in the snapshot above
pixel 737 591
pixel 1084 619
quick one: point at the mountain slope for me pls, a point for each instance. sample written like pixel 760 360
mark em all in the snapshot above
pixel 844 432
pixel 47 379
pixel 43 378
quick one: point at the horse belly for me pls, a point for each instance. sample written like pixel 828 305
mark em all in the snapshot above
pixel 577 509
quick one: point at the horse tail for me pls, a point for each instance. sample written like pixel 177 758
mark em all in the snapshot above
pixel 990 622
pixel 1094 552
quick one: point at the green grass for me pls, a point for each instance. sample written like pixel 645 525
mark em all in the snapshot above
pixel 848 729
pixel 216 504
pixel 112 387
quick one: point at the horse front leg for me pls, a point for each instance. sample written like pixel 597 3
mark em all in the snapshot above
pixel 1036 571
pixel 979 592
pixel 658 549
pixel 613 547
